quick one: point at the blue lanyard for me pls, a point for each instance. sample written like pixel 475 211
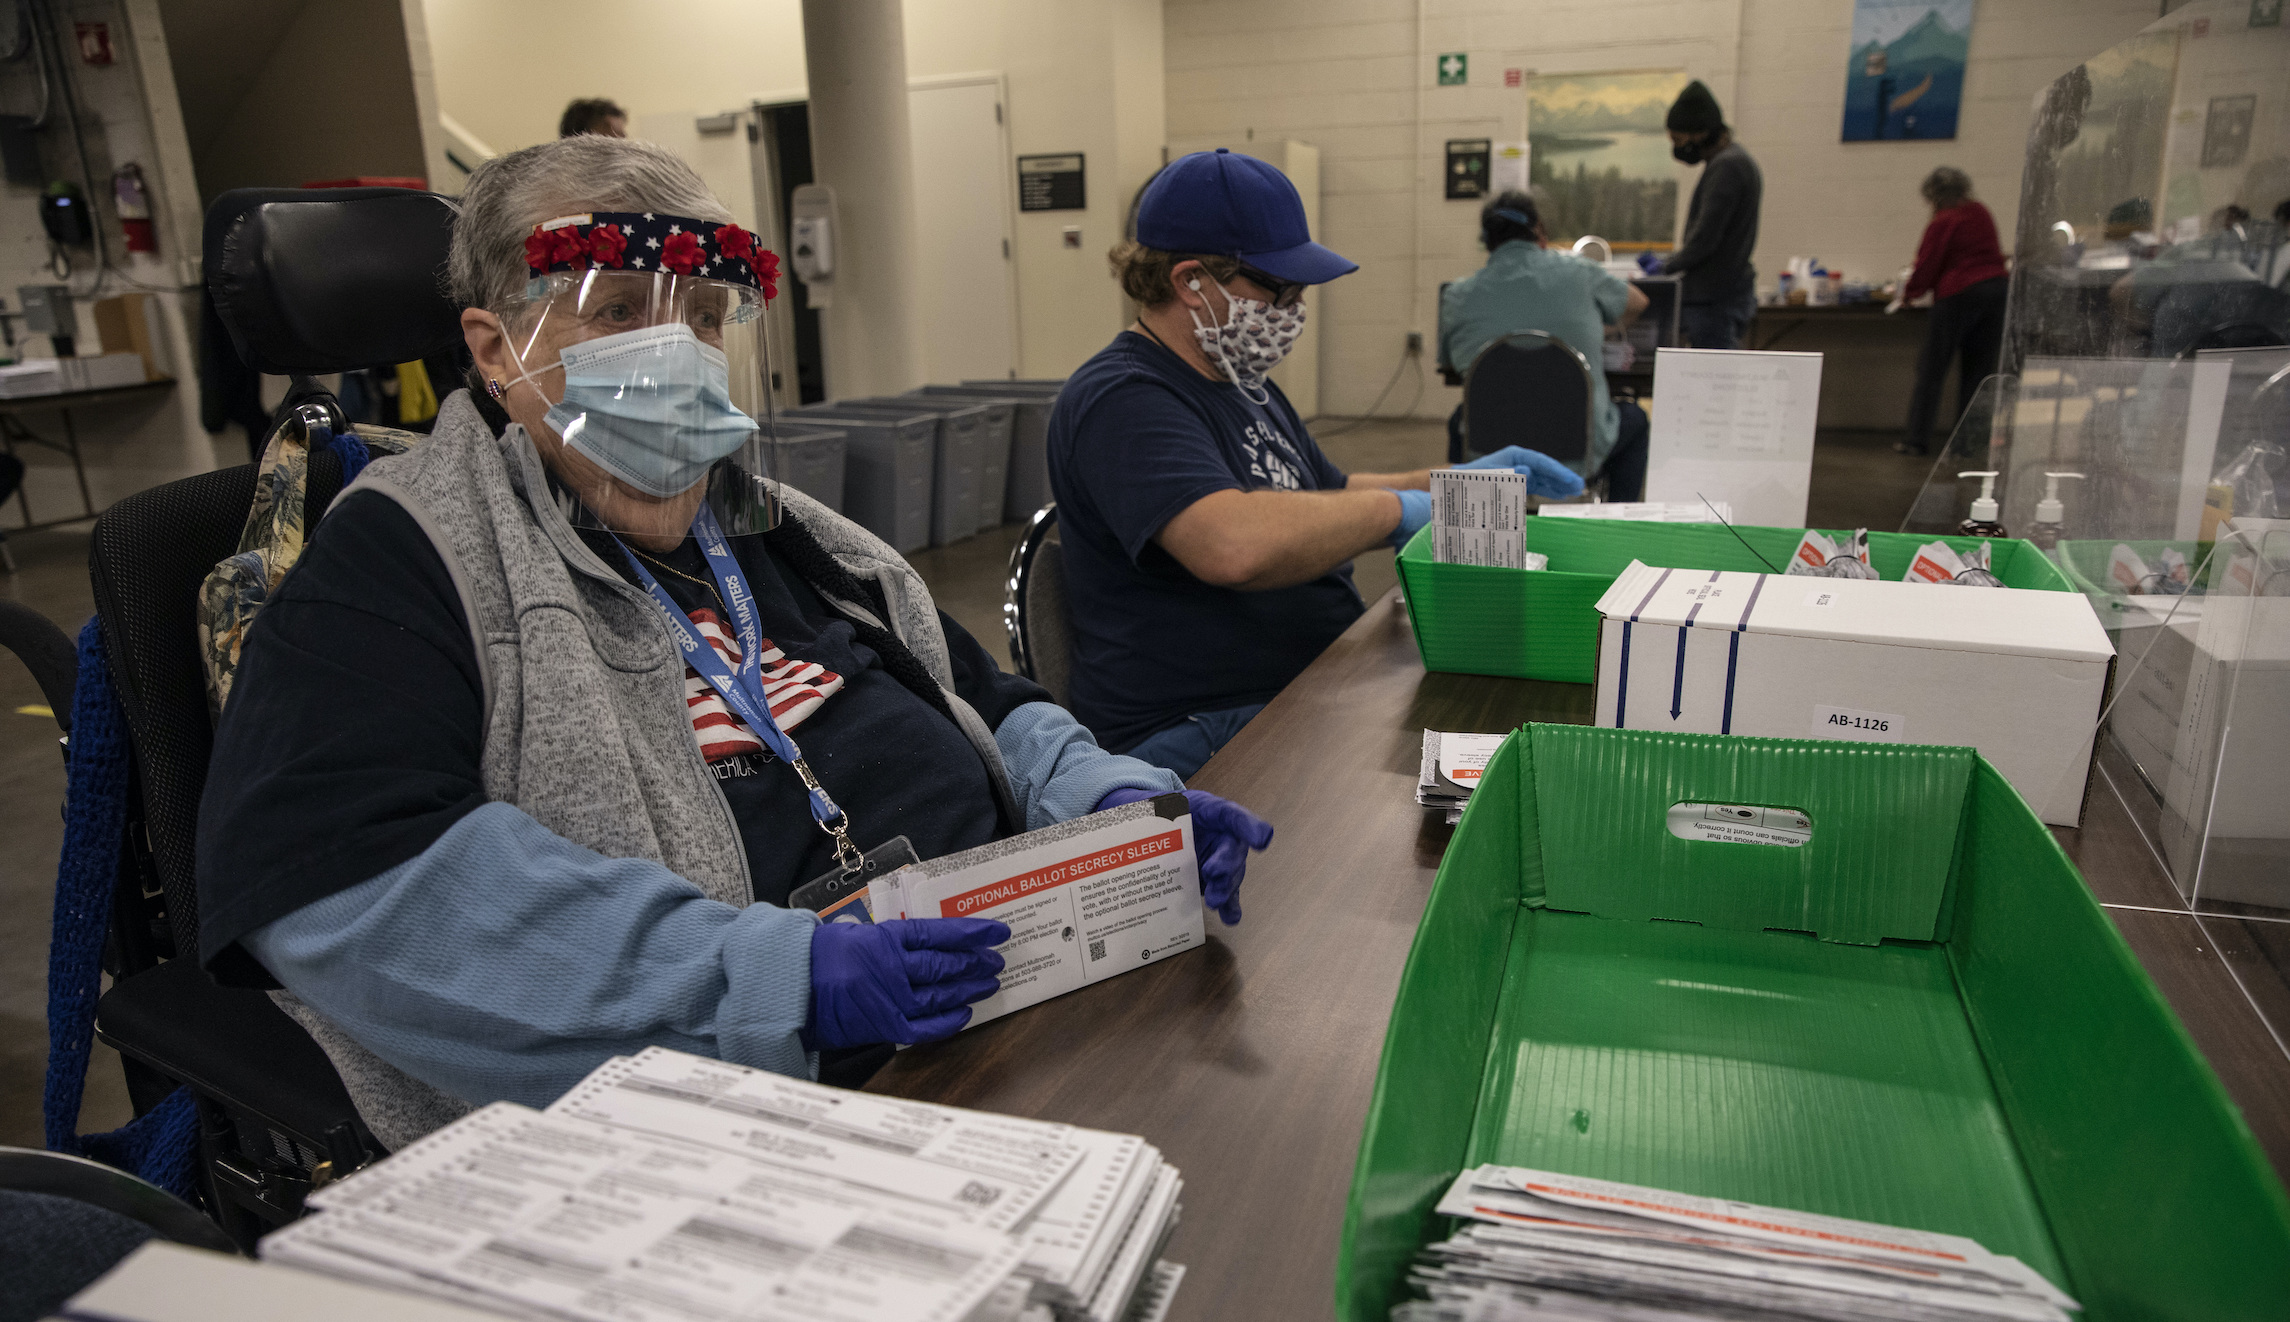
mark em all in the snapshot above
pixel 742 690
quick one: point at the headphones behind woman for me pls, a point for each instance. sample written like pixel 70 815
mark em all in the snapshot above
pixel 1507 216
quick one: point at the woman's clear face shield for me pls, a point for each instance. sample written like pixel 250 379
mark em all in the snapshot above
pixel 658 388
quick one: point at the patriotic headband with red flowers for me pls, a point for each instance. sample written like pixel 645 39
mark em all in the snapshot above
pixel 652 241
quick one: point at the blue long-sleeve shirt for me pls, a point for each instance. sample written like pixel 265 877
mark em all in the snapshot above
pixel 505 962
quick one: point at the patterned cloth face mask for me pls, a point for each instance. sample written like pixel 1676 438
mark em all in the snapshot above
pixel 1255 337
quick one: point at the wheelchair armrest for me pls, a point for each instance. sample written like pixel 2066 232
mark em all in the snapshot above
pixel 230 1044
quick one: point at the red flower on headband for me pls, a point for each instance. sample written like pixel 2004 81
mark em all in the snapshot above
pixel 682 253
pixel 766 264
pixel 565 246
pixel 606 244
pixel 732 241
pixel 538 245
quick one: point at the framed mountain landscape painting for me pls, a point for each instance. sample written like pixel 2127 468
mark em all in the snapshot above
pixel 1905 74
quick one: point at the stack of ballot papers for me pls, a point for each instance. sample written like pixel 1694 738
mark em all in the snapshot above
pixel 1452 765
pixel 1645 511
pixel 1535 1244
pixel 674 1188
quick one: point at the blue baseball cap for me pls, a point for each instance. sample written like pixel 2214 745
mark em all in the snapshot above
pixel 1230 205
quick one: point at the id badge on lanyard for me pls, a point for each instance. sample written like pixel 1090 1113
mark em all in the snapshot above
pixel 742 690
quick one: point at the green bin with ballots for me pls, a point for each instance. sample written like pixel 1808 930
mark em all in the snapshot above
pixel 1918 1016
pixel 1543 624
pixel 2086 565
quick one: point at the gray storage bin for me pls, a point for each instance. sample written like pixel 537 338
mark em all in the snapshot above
pixel 994 456
pixel 1026 485
pixel 887 465
pixel 954 495
pixel 1026 383
pixel 810 459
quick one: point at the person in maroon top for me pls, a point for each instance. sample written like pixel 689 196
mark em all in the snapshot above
pixel 1960 265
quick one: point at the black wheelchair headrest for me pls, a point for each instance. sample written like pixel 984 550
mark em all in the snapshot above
pixel 311 280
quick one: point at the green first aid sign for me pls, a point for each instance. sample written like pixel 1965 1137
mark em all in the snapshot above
pixel 1454 69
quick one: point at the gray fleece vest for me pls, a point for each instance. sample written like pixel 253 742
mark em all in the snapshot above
pixel 586 728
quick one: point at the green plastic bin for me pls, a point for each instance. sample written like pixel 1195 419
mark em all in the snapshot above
pixel 2085 564
pixel 1543 624
pixel 1920 1017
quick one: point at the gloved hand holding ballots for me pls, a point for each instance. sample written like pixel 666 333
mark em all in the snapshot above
pixel 1084 899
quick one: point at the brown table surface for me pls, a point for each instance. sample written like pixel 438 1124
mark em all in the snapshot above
pixel 1250 1064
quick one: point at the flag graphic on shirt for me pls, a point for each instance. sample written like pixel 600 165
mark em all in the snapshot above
pixel 795 689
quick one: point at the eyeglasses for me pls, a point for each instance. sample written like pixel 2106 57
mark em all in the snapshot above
pixel 1285 293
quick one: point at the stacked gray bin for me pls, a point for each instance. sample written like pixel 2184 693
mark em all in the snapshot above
pixel 954 488
pixel 1027 487
pixel 887 465
pixel 810 459
pixel 994 507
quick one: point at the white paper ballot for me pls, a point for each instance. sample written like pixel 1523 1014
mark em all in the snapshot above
pixel 1735 426
pixel 1478 517
pixel 994 1169
pixel 1644 511
pixel 1085 900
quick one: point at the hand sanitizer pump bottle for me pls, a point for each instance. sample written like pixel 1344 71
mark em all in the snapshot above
pixel 1983 521
pixel 2049 513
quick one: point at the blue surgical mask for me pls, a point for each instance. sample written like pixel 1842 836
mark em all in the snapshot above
pixel 652 407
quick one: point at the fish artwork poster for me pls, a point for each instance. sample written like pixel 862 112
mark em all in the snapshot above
pixel 1904 76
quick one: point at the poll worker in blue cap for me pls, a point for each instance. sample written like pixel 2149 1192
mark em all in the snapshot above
pixel 1207 540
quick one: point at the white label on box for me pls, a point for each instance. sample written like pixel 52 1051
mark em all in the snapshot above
pixel 1479 517
pixel 1866 727
pixel 1739 824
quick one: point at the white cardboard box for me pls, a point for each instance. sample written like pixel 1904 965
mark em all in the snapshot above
pixel 2019 675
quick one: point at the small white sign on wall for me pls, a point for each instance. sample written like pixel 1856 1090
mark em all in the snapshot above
pixel 1508 170
pixel 1735 426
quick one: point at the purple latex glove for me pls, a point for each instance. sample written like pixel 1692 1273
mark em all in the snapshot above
pixel 906 980
pixel 1223 834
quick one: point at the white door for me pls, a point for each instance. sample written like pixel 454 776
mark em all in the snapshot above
pixel 962 182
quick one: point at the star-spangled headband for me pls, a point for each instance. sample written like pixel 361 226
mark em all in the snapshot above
pixel 651 241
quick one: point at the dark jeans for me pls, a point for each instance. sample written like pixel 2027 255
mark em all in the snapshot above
pixel 1188 744
pixel 1967 327
pixel 1625 467
pixel 1719 325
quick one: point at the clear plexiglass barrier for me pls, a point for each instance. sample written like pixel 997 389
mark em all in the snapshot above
pixel 2140 431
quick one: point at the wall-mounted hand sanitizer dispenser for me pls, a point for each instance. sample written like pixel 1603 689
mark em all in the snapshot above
pixel 811 241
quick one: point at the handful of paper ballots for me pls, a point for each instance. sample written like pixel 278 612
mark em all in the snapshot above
pixel 1644 511
pixel 670 1187
pixel 1479 517
pixel 1535 1244
pixel 1938 562
pixel 1818 556
pixel 1452 765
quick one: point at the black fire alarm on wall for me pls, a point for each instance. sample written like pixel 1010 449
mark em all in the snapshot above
pixel 1468 164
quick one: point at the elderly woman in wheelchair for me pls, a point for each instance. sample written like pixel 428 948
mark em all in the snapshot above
pixel 527 756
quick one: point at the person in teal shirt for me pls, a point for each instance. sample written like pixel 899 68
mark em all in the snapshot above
pixel 1526 286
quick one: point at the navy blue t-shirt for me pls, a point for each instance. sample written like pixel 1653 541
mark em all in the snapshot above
pixel 1138 435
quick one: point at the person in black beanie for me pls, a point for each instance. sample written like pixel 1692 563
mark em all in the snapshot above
pixel 1719 293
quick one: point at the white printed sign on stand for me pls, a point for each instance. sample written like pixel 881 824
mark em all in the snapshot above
pixel 1735 426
